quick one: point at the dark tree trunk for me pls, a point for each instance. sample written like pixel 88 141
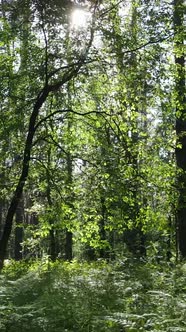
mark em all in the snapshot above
pixel 102 252
pixel 180 123
pixel 19 220
pixel 68 246
pixel 52 249
pixel 1 215
pixel 53 254
pixel 69 235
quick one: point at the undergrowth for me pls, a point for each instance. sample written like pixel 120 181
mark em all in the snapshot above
pixel 92 297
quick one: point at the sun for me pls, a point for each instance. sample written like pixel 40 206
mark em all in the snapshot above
pixel 79 19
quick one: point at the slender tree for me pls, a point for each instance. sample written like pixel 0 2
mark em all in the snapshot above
pixel 51 84
pixel 180 101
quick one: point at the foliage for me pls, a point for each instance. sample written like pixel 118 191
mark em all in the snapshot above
pixel 87 148
pixel 101 163
pixel 127 295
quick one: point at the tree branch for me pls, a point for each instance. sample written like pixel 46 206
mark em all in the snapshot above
pixel 150 42
pixel 71 65
pixel 66 111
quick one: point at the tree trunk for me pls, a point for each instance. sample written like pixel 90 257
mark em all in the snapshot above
pixel 180 123
pixel 19 231
pixel 102 252
pixel 68 246
pixel 69 235
pixel 52 249
pixel 1 215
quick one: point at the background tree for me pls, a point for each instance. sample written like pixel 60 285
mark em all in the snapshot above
pixel 180 103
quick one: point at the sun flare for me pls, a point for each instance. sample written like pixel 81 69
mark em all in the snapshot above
pixel 79 19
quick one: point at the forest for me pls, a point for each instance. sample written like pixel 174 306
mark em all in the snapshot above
pixel 92 166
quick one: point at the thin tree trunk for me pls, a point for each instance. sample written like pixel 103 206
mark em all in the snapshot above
pixel 69 235
pixel 68 246
pixel 1 215
pixel 49 199
pixel 19 230
pixel 102 252
pixel 180 123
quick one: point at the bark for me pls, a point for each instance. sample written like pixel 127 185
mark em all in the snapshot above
pixel 69 235
pixel 102 252
pixel 53 254
pixel 70 195
pixel 180 123
pixel 68 246
pixel 19 231
pixel 52 248
pixel 1 214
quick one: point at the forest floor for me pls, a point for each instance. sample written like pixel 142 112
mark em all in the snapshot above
pixel 127 295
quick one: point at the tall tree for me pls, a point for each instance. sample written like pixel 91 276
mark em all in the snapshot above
pixel 180 102
pixel 52 80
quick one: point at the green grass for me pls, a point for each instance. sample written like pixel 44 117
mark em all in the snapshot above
pixel 95 297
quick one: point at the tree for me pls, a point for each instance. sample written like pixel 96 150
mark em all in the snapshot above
pixel 51 81
pixel 180 104
pixel 89 122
